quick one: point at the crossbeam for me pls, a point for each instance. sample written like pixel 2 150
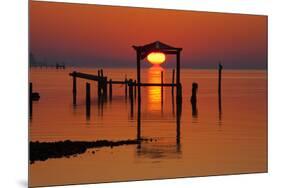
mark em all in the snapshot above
pixel 87 76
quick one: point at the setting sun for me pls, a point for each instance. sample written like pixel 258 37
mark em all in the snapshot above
pixel 156 58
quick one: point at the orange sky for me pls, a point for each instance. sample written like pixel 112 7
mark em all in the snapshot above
pixel 94 35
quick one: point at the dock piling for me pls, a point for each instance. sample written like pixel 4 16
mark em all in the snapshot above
pixel 126 87
pixel 74 89
pixel 30 100
pixel 173 82
pixel 219 88
pixel 131 96
pixel 110 89
pixel 88 99
pixel 219 79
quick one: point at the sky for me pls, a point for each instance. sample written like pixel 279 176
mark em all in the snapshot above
pixel 102 36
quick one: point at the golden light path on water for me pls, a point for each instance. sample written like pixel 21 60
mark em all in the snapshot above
pixel 154 92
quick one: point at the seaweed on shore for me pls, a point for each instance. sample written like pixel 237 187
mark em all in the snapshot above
pixel 41 151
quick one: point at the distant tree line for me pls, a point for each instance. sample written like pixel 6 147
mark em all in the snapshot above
pixel 35 63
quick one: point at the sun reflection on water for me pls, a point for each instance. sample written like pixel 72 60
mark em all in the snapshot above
pixel 154 92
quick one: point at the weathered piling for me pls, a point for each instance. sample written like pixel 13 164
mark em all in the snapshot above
pixel 131 96
pixel 126 87
pixel 110 89
pixel 219 78
pixel 74 88
pixel 88 100
pixel 30 100
pixel 135 89
pixel 220 67
pixel 193 99
pixel 105 88
pixel 99 84
pixel 101 72
pixel 173 82
pixel 179 93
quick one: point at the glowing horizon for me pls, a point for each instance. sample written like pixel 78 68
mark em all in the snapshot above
pixel 102 36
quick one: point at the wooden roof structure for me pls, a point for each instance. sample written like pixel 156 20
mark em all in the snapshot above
pixel 156 46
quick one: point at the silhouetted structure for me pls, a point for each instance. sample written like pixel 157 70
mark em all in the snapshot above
pixel 88 100
pixel 33 96
pixel 143 51
pixel 220 67
pixel 193 99
pixel 60 66
pixel 219 79
pixel 135 86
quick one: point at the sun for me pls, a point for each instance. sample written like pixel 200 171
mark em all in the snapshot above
pixel 156 58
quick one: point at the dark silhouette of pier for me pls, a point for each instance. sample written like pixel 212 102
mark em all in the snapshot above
pixel 133 86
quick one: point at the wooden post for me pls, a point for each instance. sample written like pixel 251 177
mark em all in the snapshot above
pixel 131 93
pixel 74 88
pixel 173 82
pixel 101 72
pixel 110 89
pixel 162 88
pixel 88 99
pixel 105 88
pixel 99 84
pixel 135 88
pixel 138 74
pixel 30 100
pixel 179 87
pixel 219 79
pixel 126 87
pixel 131 96
pixel 193 99
pixel 219 89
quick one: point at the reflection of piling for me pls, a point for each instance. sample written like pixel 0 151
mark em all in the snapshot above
pixel 179 111
pixel 74 89
pixel 88 100
pixel 193 99
pixel 139 122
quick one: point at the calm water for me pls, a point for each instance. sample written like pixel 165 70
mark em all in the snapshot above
pixel 210 142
